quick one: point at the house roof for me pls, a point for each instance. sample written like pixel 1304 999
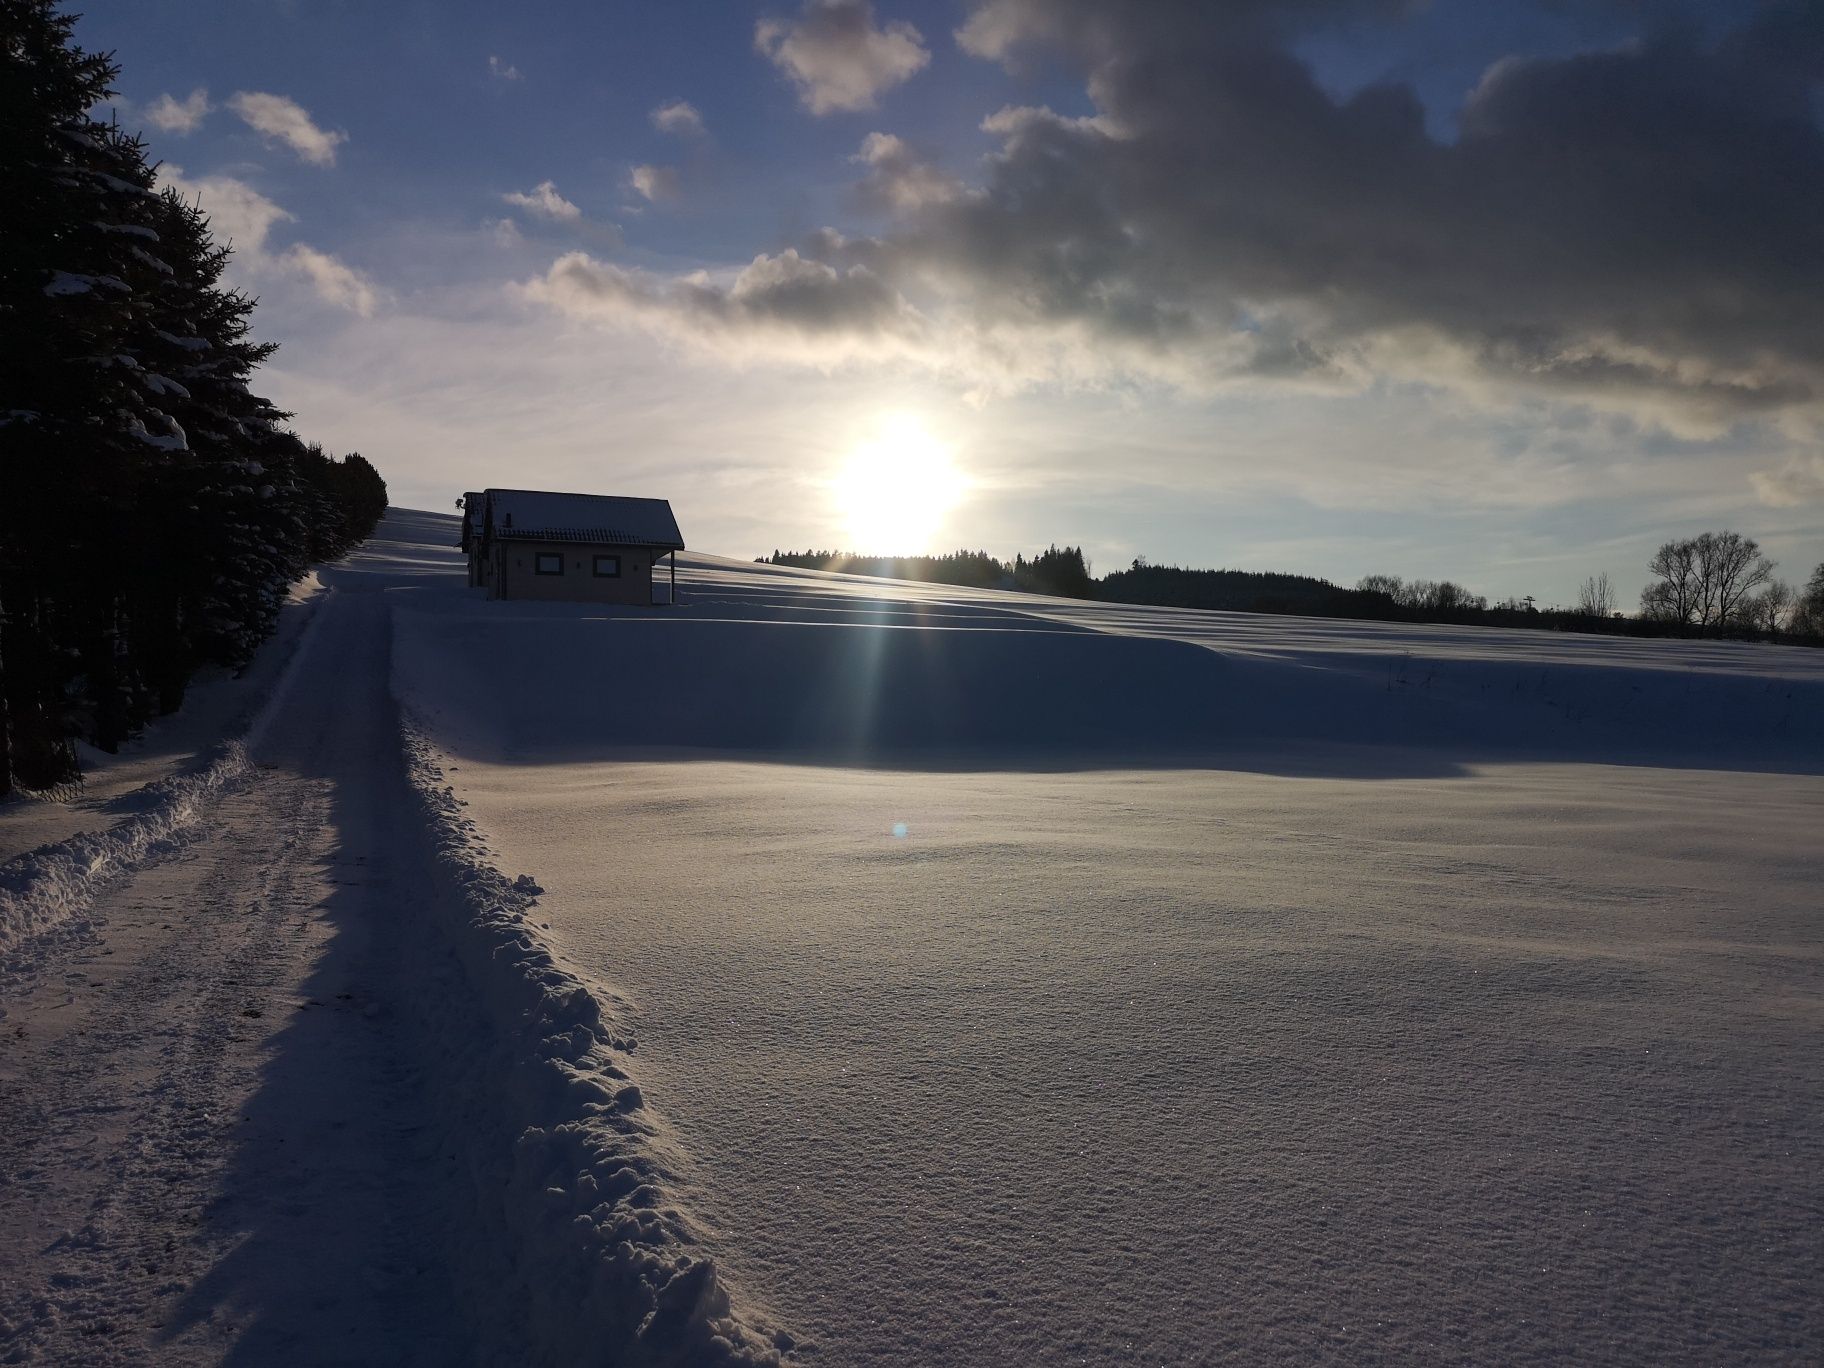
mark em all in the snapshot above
pixel 612 519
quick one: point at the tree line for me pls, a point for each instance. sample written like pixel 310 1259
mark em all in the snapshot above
pixel 973 569
pixel 1235 591
pixel 1059 570
pixel 155 509
pixel 1717 583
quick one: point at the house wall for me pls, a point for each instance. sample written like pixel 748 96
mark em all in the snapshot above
pixel 511 574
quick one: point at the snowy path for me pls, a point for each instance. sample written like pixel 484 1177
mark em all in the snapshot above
pixel 212 1152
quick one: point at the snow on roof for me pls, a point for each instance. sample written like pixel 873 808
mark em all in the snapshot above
pixel 600 518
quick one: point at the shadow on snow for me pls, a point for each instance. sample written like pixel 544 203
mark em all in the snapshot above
pixel 917 687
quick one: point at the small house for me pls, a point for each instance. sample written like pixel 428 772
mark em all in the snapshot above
pixel 582 548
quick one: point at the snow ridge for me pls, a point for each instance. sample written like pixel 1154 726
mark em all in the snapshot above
pixel 45 887
pixel 610 1270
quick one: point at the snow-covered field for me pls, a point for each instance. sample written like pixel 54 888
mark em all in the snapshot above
pixel 914 975
pixel 1054 983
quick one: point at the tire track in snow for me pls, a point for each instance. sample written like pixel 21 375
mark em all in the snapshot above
pixel 159 1060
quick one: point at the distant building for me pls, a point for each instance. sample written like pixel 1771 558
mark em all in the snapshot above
pixel 583 548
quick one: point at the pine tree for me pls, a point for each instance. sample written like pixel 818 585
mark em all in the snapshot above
pixel 71 410
pixel 237 537
pixel 154 507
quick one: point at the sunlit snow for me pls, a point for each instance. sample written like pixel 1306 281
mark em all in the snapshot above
pixel 1041 982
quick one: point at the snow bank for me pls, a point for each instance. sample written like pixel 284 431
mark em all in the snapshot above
pixel 41 889
pixel 610 1270
pixel 44 888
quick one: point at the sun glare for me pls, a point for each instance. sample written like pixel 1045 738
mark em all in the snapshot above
pixel 895 490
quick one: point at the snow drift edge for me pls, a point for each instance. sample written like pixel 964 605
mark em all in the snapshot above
pixel 610 1268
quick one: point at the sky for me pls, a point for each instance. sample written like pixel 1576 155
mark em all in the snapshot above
pixel 1501 293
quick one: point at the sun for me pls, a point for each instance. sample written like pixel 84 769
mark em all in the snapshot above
pixel 894 491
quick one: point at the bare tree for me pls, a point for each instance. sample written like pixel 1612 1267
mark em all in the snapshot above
pixel 1671 596
pixel 1732 568
pixel 1705 581
pixel 1452 597
pixel 1419 593
pixel 1808 613
pixel 1771 610
pixel 1597 597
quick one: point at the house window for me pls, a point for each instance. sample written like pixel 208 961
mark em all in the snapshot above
pixel 607 567
pixel 547 563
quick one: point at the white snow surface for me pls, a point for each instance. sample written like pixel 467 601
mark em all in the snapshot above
pixel 857 973
pixel 1043 982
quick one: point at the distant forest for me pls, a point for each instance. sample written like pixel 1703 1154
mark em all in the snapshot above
pixel 155 509
pixel 975 569
pixel 1715 584
pixel 1055 570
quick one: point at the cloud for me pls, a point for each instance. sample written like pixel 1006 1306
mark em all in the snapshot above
pixel 502 71
pixel 1800 481
pixel 1000 29
pixel 242 218
pixel 899 179
pixel 776 305
pixel 796 310
pixel 544 201
pixel 1633 228
pixel 680 117
pixel 334 281
pixel 838 57
pixel 1621 227
pixel 239 215
pixel 655 183
pixel 285 120
pixel 171 115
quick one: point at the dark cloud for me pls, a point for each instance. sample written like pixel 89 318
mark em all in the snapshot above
pixel 898 179
pixel 1095 32
pixel 777 305
pixel 1645 220
pixel 1642 227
